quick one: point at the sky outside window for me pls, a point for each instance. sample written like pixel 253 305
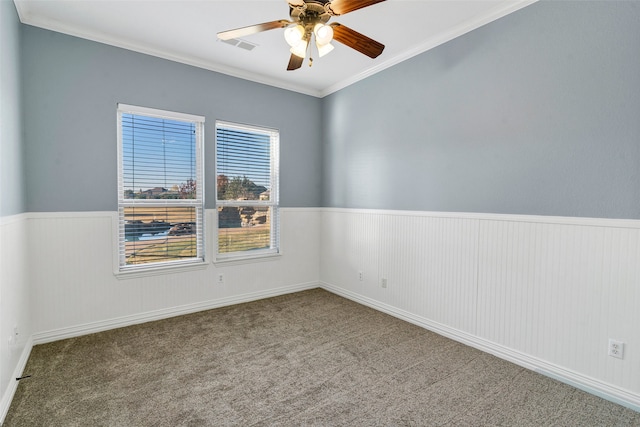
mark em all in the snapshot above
pixel 157 153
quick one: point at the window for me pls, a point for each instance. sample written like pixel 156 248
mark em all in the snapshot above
pixel 246 191
pixel 160 194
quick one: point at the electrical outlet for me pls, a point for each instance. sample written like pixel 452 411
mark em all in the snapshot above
pixel 360 276
pixel 220 278
pixel 616 348
pixel 383 282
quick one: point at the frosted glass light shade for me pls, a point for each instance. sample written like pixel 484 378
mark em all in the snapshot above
pixel 324 49
pixel 293 35
pixel 300 49
pixel 324 34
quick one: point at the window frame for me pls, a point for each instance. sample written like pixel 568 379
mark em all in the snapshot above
pixel 199 261
pixel 274 200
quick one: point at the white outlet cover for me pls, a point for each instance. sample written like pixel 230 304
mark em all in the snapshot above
pixel 616 349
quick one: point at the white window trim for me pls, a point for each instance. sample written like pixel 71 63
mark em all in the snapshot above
pixel 274 203
pixel 132 271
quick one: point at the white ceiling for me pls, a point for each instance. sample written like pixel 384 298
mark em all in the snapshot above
pixel 185 31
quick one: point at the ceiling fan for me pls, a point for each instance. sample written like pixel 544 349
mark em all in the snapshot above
pixel 309 19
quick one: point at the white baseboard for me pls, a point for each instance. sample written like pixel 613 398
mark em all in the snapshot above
pixel 590 385
pixel 120 322
pixel 574 379
pixel 64 333
pixel 8 394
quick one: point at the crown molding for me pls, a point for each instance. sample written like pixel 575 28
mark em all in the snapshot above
pixel 98 37
pixel 505 8
pixel 498 12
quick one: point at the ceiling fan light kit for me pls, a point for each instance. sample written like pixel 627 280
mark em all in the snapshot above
pixel 323 33
pixel 300 49
pixel 324 49
pixel 294 35
pixel 309 18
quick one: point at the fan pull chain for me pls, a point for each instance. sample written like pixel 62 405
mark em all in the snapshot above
pixel 310 61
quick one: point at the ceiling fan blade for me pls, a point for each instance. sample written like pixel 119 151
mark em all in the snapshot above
pixel 340 7
pixel 295 62
pixel 295 2
pixel 357 41
pixel 253 29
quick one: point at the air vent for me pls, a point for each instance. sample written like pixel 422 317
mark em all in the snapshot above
pixel 240 43
pixel 246 46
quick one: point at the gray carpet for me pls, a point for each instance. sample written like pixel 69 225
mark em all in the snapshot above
pixel 309 358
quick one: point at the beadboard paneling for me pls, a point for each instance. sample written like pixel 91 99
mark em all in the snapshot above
pixel 545 292
pixel 15 310
pixel 350 245
pixel 429 263
pixel 75 290
pixel 558 292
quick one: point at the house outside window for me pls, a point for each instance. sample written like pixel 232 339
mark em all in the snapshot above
pixel 160 188
pixel 246 191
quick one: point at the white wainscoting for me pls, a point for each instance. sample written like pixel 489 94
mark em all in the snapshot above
pixel 544 292
pixel 58 280
pixel 14 306
pixel 75 291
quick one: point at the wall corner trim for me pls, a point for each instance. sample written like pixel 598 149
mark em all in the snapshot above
pixel 7 395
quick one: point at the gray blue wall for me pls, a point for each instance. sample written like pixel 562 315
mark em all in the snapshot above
pixel 536 113
pixel 12 188
pixel 72 86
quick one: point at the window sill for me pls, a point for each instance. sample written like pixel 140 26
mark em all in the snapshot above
pixel 155 271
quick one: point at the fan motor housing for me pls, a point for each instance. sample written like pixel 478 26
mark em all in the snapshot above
pixel 312 13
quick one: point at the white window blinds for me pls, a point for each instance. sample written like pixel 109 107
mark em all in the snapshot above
pixel 160 194
pixel 246 190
